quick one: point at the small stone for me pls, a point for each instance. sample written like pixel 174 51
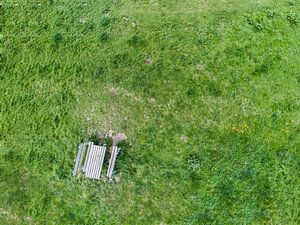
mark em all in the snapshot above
pixel 113 90
pixel 106 14
pixel 184 138
pixel 82 20
pixel 117 179
pixel 198 66
pixel 148 61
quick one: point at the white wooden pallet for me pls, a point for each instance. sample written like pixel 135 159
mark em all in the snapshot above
pixel 94 161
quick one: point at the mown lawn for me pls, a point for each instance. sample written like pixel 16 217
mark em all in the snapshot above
pixel 207 91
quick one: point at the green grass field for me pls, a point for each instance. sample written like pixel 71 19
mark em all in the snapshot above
pixel 207 91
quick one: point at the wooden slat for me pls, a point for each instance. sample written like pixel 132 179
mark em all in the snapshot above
pixel 101 160
pixel 89 162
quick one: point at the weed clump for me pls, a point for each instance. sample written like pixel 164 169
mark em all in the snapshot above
pixel 2 57
pixel 99 70
pixel 136 40
pixel 193 162
pixel 120 59
pixel 106 9
pixel 214 89
pixel 57 38
pixel 104 37
pixel 89 28
pixel 292 18
pixel 106 21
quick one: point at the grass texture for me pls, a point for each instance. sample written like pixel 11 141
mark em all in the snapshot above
pixel 207 91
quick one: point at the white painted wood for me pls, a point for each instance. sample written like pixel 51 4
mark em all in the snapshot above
pixel 95 162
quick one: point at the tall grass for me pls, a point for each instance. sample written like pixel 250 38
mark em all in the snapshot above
pixel 206 91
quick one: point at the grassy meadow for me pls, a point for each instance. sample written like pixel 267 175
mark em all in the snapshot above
pixel 207 91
